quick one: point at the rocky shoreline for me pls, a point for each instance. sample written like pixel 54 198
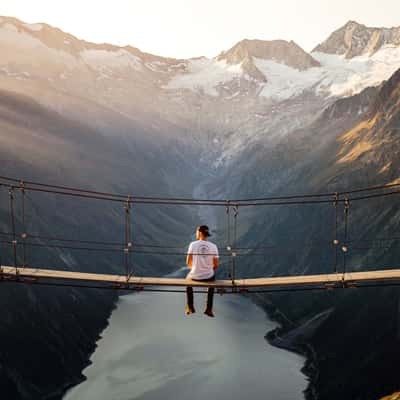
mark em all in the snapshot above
pixel 320 365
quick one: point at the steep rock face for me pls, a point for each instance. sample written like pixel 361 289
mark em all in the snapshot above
pixel 372 144
pixel 58 327
pixel 394 396
pixel 280 51
pixel 354 39
pixel 57 39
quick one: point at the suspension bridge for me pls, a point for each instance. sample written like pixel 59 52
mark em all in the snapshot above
pixel 21 272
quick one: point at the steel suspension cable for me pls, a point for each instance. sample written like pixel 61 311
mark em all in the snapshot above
pixel 105 194
pixel 162 201
pixel 106 250
pixel 166 200
pixel 315 243
pixel 369 189
pixel 116 250
pixel 150 253
pixel 311 195
pixel 36 186
pixel 100 243
pixel 374 196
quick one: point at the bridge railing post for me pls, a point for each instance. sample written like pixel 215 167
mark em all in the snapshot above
pixel 234 249
pixel 345 248
pixel 335 233
pixel 23 219
pixel 128 238
pixel 13 233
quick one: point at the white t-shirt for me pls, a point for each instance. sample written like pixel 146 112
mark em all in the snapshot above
pixel 203 259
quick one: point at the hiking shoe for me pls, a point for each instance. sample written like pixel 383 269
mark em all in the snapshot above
pixel 189 310
pixel 209 313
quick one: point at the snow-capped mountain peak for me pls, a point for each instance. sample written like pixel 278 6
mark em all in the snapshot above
pixel 351 59
pixel 354 39
pixel 281 51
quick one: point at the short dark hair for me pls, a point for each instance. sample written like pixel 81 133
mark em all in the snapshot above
pixel 204 230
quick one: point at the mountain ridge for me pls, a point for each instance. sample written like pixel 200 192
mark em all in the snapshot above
pixel 354 39
pixel 247 46
pixel 277 70
pixel 280 51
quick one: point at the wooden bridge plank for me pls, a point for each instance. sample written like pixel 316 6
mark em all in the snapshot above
pixel 47 275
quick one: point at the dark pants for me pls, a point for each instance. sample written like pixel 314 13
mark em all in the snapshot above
pixel 210 294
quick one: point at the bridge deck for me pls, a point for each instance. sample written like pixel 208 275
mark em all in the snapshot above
pixel 67 277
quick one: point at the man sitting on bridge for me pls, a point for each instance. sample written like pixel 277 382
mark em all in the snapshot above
pixel 202 260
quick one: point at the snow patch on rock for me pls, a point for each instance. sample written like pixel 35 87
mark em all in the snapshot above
pixel 99 59
pixel 33 27
pixel 10 36
pixel 10 27
pixel 18 46
pixel 284 81
pixel 157 66
pixel 358 73
pixel 337 76
pixel 205 75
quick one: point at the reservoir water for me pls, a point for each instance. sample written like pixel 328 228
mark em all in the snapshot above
pixel 152 351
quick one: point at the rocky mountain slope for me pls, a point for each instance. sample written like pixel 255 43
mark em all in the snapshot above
pixel 58 327
pixel 371 352
pixel 261 118
pixel 354 40
pixel 394 396
pixel 359 149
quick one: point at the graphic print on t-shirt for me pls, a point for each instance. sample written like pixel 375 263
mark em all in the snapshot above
pixel 203 249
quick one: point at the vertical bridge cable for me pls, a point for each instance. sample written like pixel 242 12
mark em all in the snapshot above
pixel 228 226
pixel 228 230
pixel 346 224
pixel 128 241
pixel 24 234
pixel 234 252
pixel 12 219
pixel 335 231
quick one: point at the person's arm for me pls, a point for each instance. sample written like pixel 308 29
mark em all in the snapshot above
pixel 189 257
pixel 216 263
pixel 189 260
pixel 216 259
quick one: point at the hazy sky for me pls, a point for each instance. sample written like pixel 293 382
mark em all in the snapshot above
pixel 189 28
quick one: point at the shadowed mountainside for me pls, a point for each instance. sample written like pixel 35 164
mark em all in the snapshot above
pixel 359 336
pixel 59 326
